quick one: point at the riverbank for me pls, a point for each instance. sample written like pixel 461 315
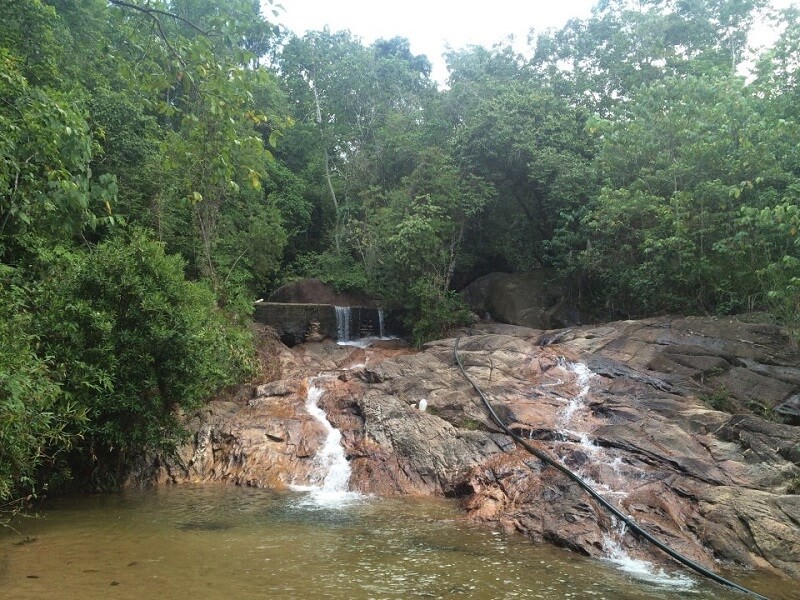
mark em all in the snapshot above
pixel 633 406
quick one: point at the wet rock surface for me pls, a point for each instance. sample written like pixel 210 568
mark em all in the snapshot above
pixel 675 421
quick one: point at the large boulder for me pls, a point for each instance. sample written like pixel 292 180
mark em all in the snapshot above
pixel 536 299
pixel 477 293
pixel 315 291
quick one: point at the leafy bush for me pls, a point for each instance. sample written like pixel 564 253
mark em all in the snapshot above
pixel 432 312
pixel 131 343
pixel 335 268
pixel 37 423
pixel 719 399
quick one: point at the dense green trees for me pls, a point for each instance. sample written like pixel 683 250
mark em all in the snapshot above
pixel 666 230
pixel 533 147
pixel 163 162
pixel 124 132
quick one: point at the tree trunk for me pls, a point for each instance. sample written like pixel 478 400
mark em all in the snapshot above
pixel 336 225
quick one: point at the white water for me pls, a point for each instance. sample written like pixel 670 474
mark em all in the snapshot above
pixel 569 426
pixel 364 342
pixel 331 485
pixel 640 569
pixel 344 327
pixel 344 316
pixel 584 376
pixel 381 324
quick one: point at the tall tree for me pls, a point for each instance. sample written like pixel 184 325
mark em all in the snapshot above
pixel 627 44
pixel 531 144
pixel 351 99
pixel 666 232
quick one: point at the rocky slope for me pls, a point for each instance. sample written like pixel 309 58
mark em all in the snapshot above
pixel 633 406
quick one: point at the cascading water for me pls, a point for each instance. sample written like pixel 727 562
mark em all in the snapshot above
pixel 331 458
pixel 356 326
pixel 570 429
pixel 344 319
pixel 330 485
pixel 584 376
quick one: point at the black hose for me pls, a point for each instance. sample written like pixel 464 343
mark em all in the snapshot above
pixel 629 522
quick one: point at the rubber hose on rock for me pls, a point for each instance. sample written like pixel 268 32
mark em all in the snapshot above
pixel 629 522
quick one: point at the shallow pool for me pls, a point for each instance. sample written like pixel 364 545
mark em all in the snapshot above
pixel 226 542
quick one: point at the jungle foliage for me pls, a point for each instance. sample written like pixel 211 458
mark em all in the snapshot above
pixel 164 163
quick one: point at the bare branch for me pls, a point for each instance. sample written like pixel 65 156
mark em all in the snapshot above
pixel 163 36
pixel 153 13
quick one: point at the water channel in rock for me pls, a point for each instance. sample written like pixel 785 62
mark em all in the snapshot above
pixel 331 484
pixel 576 440
pixel 220 542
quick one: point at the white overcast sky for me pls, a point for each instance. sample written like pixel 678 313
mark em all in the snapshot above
pixel 432 25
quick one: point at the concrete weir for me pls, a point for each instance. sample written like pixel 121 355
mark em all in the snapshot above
pixel 293 321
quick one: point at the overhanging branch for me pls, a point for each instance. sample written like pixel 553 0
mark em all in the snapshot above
pixel 154 14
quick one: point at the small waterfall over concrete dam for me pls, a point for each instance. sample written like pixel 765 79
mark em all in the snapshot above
pixel 296 323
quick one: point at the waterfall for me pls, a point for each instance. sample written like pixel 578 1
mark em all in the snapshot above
pixel 330 484
pixel 344 318
pixel 381 324
pixel 641 569
pixel 584 376
pixel 570 427
pixel 567 429
pixel 331 458
pixel 360 325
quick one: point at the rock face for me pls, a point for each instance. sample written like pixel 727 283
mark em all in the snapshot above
pixel 262 436
pixel 711 484
pixel 632 406
pixel 532 299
